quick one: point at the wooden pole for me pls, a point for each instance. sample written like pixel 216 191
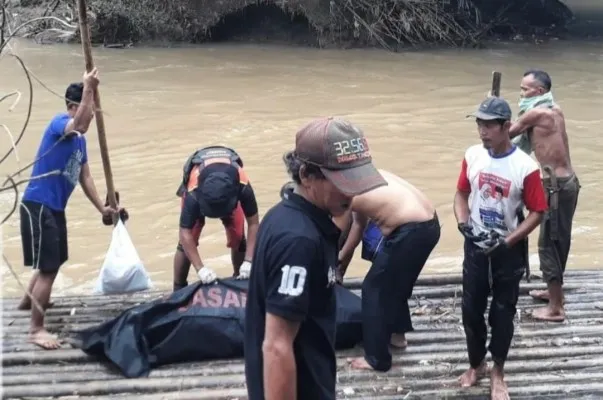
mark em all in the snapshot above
pixel 496 78
pixel 495 91
pixel 100 122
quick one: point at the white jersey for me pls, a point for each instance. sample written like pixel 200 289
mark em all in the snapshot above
pixel 499 186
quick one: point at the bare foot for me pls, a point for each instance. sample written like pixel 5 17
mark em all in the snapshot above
pixel 398 340
pixel 44 339
pixel 359 363
pixel 549 314
pixel 473 375
pixel 498 387
pixel 540 295
pixel 26 305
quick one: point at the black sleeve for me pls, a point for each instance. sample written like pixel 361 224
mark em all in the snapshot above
pixel 190 214
pixel 248 201
pixel 288 281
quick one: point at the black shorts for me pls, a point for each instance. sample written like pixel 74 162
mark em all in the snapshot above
pixel 43 236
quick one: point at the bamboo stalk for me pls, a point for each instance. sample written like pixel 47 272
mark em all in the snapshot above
pixel 150 385
pixel 420 335
pixel 100 121
pixel 572 276
pixel 435 313
pixel 400 359
pixel 111 310
pixel 216 366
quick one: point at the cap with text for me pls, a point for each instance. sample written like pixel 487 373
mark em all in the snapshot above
pixel 341 151
pixel 493 108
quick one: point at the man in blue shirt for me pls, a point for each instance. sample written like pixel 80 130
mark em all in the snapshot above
pixel 61 162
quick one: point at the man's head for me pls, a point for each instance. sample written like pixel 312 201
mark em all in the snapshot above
pixel 493 118
pixel 332 163
pixel 73 96
pixel 217 190
pixel 535 83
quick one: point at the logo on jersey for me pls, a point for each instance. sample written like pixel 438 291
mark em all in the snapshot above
pixel 331 277
pixel 293 280
pixel 494 193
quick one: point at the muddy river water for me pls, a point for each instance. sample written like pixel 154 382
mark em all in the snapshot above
pixel 162 103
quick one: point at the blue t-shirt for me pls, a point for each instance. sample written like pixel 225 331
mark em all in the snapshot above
pixel 68 156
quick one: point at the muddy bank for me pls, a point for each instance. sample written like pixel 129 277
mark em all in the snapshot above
pixel 321 23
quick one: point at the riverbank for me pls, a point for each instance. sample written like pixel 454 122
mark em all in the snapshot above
pixel 358 23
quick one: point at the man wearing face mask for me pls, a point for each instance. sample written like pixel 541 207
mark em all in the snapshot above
pixel 541 127
pixel 493 249
pixel 291 309
pixel 406 229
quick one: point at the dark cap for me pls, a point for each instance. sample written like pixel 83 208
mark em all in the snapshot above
pixel 493 108
pixel 341 151
pixel 218 190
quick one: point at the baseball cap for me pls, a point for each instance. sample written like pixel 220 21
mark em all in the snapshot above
pixel 217 191
pixel 341 151
pixel 493 108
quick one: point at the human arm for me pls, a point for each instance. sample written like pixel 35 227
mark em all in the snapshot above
pixel 354 238
pixel 535 201
pixel 250 209
pixel 89 188
pixel 525 122
pixel 287 303
pixel 461 197
pixel 189 216
pixel 80 123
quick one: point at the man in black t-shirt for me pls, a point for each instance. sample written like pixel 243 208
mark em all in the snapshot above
pixel 290 311
pixel 215 185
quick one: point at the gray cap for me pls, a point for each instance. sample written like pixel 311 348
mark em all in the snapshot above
pixel 493 108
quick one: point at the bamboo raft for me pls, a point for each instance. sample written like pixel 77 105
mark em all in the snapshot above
pixel 547 360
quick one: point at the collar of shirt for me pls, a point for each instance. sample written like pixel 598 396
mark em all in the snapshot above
pixel 319 216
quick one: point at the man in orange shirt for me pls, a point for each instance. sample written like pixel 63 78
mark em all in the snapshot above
pixel 214 185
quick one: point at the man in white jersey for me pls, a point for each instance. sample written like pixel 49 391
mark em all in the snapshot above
pixel 493 250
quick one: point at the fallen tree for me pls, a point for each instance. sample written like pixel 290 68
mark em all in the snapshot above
pixel 341 23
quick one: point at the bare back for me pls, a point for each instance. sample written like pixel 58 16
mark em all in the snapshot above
pixel 550 142
pixel 393 205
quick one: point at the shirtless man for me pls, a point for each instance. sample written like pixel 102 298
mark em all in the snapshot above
pixel 544 124
pixel 408 232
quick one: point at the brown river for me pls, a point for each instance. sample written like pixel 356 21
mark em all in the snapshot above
pixel 163 103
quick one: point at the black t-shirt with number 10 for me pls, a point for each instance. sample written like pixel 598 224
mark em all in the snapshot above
pixel 293 277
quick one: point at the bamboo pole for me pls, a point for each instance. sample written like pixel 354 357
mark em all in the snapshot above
pixel 414 376
pixel 437 313
pixel 422 335
pixel 575 276
pixel 400 359
pixel 100 121
pixel 220 367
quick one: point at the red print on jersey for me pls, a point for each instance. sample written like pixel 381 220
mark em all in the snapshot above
pixel 493 186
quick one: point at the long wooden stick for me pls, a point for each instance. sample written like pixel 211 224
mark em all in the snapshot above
pixel 100 122
pixel 496 80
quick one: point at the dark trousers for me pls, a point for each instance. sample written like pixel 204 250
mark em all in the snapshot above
pixel 388 285
pixel 504 272
pixel 555 237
